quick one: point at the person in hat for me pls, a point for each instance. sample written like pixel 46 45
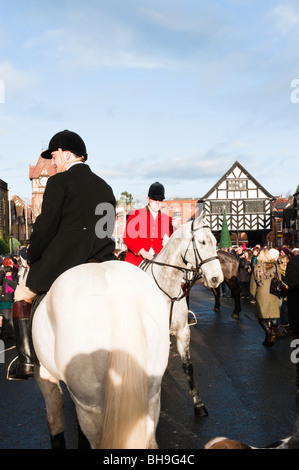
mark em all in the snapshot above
pixel 64 234
pixel 267 305
pixel 146 227
pixel 295 251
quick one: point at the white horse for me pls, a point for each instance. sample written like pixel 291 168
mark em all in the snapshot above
pixel 103 329
pixel 191 248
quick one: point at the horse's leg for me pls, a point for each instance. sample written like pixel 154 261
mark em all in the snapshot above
pixel 183 342
pixel 90 425
pixel 83 442
pixel 216 293
pixel 53 397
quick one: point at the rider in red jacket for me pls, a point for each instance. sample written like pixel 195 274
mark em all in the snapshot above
pixel 146 228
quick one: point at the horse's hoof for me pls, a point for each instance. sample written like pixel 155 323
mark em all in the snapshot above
pixel 200 411
pixel 58 441
pixel 216 309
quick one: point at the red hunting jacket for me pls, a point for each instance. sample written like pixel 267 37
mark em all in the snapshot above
pixel 143 231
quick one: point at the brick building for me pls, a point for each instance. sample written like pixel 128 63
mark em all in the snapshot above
pixel 38 175
pixel 4 212
pixel 22 219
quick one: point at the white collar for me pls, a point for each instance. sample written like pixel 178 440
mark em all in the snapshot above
pixel 72 164
pixel 154 214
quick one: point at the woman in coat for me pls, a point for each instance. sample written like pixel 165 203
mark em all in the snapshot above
pixel 267 305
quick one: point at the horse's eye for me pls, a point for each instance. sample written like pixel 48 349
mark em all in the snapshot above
pixel 203 242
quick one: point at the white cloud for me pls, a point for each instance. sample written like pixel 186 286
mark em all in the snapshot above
pixel 174 20
pixel 113 48
pixel 14 78
pixel 286 17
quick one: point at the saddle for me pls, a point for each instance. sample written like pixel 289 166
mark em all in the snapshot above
pixel 35 304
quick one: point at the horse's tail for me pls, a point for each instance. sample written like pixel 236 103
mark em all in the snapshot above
pixel 125 412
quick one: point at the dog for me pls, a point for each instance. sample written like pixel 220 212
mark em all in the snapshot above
pixel 291 442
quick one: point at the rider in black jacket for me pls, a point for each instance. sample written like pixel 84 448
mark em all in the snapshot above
pixel 64 235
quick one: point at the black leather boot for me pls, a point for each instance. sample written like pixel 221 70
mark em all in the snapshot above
pixel 266 324
pixel 22 368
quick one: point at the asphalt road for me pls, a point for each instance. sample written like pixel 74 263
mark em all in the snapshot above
pixel 249 390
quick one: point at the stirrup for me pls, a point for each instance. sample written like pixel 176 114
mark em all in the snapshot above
pixel 192 320
pixel 9 374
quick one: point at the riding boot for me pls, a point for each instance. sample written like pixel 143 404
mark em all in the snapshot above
pixel 266 324
pixel 278 332
pixel 23 365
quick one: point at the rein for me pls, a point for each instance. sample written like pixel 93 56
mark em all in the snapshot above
pixel 197 272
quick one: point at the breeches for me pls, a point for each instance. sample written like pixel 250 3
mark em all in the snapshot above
pixel 23 292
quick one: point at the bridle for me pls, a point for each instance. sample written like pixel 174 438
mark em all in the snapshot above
pixel 196 271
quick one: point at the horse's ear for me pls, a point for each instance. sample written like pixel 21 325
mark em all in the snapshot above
pixel 199 218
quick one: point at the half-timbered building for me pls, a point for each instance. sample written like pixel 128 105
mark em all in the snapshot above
pixel 247 205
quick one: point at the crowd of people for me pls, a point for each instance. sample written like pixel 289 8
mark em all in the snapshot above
pixel 10 270
pixel 278 316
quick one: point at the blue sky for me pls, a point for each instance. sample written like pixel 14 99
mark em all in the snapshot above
pixel 160 90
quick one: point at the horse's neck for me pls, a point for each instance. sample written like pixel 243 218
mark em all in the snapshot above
pixel 169 278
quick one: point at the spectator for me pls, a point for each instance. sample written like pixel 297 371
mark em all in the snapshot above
pixel 295 251
pixel 285 256
pixel 9 284
pixel 267 305
pixel 245 274
pixel 255 252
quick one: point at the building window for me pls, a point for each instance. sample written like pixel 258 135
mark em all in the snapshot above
pixel 279 241
pixel 254 207
pixel 236 185
pixel 217 207
pixel 279 225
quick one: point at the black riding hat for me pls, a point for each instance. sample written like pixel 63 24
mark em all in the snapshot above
pixel 156 192
pixel 66 140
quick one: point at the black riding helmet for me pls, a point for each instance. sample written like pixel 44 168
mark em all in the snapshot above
pixel 156 192
pixel 66 140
